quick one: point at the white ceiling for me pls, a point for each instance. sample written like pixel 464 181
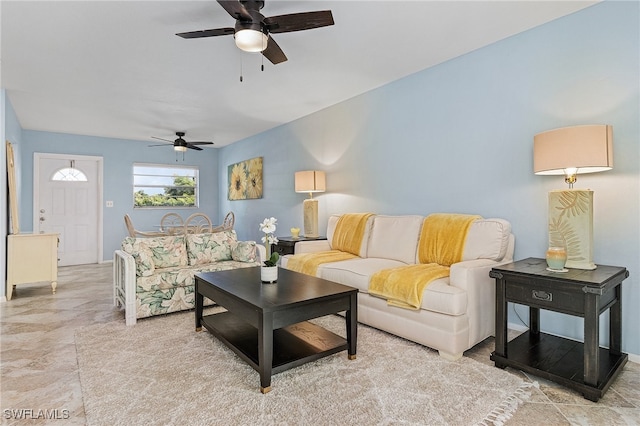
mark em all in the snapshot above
pixel 117 69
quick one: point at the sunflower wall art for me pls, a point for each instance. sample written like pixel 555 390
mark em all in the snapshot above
pixel 245 179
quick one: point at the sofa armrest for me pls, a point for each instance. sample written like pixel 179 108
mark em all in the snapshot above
pixel 306 247
pixel 473 277
pixel 124 284
pixel 311 246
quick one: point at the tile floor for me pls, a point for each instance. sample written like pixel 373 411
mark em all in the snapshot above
pixel 38 368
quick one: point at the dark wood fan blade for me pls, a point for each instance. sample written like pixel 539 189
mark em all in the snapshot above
pixel 160 139
pixel 161 144
pixel 192 146
pixel 207 33
pixel 200 143
pixel 273 52
pixel 235 9
pixel 298 21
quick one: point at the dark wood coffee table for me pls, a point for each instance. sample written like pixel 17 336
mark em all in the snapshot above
pixel 266 324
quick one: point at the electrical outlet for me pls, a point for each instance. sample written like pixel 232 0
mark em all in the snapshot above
pixel 109 203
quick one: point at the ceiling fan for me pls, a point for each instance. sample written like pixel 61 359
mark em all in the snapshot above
pixel 180 144
pixel 252 30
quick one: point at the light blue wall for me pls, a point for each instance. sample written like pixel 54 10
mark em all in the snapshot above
pixel 458 137
pixel 119 156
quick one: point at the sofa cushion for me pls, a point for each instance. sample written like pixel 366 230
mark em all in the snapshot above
pixel 355 272
pixel 244 251
pixel 331 228
pixel 443 298
pixel 395 237
pixel 350 231
pixel 141 254
pixel 438 296
pixel 212 247
pixel 487 239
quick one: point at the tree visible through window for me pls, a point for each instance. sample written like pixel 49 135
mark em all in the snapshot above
pixel 165 186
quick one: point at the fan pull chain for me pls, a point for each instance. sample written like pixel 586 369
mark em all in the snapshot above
pixel 241 68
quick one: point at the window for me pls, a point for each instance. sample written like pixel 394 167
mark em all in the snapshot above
pixel 69 174
pixel 156 185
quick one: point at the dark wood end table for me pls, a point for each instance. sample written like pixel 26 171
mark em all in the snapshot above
pixel 286 245
pixel 266 324
pixel 585 367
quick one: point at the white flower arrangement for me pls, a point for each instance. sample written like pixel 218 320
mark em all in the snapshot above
pixel 268 226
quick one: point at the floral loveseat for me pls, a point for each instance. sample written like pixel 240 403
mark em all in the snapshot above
pixel 154 276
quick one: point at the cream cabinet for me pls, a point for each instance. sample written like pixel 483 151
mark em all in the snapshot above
pixel 31 258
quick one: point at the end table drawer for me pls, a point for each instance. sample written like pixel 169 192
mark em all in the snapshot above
pixel 546 297
pixel 282 249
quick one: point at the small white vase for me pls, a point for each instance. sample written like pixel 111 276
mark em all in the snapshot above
pixel 269 274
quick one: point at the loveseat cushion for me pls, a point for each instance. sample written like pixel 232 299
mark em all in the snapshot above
pixel 210 247
pixel 167 251
pixel 244 251
pixel 395 237
pixel 156 252
pixel 158 302
pixel 142 255
pixel 183 276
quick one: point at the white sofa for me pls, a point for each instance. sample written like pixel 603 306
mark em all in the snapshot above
pixel 457 312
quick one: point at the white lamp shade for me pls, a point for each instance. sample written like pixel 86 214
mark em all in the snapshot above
pixel 588 149
pixel 251 40
pixel 310 181
pixel 179 148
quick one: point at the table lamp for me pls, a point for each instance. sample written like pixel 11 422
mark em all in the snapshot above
pixel 570 151
pixel 310 181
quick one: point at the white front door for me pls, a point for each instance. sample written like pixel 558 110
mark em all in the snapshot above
pixel 67 202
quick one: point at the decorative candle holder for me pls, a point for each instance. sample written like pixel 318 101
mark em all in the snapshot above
pixel 556 259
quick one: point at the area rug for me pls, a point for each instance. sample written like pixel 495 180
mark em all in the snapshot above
pixel 162 372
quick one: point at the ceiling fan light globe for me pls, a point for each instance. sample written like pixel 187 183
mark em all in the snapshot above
pixel 251 40
pixel 179 148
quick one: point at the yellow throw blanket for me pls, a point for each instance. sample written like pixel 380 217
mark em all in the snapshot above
pixel 307 263
pixel 349 232
pixel 441 244
pixel 403 286
pixel 442 238
pixel 346 242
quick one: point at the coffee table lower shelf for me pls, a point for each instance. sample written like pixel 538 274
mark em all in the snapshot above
pixel 560 360
pixel 293 345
